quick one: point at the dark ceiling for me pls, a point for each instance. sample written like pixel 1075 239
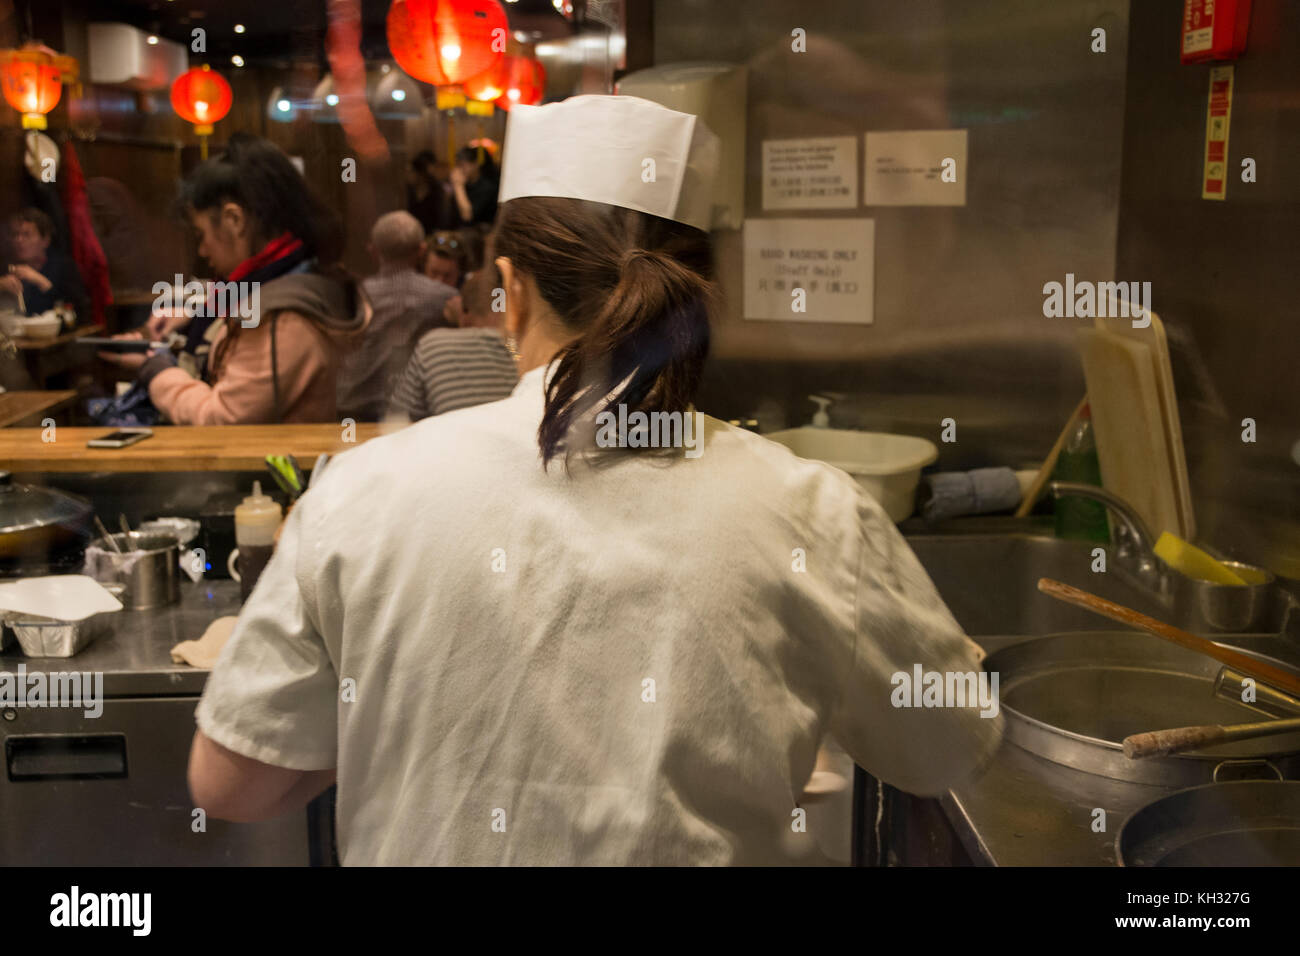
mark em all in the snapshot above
pixel 278 30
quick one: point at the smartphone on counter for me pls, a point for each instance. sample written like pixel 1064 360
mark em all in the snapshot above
pixel 120 439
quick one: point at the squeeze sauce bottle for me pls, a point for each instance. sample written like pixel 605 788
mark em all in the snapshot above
pixel 256 519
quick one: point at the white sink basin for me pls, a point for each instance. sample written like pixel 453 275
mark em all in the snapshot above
pixel 887 466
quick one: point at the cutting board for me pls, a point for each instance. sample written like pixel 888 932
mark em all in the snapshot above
pixel 1136 460
pixel 1153 339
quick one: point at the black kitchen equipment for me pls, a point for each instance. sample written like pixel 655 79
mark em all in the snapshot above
pixel 217 531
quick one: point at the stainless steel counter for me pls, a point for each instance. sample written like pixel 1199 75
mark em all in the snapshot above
pixel 110 790
pixel 133 651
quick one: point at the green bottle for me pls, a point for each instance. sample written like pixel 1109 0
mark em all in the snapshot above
pixel 1080 518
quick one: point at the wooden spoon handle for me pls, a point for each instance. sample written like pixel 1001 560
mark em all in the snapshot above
pixel 1157 742
pixel 1178 739
pixel 1117 612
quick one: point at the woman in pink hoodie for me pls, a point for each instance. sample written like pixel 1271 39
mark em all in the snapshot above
pixel 278 324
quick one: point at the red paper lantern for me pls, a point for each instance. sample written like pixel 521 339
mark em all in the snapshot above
pixel 32 79
pixel 490 84
pixel 446 41
pixel 525 82
pixel 201 96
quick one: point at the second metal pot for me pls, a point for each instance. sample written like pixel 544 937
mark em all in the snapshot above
pixel 148 568
pixel 1243 823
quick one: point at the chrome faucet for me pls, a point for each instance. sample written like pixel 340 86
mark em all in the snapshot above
pixel 1134 543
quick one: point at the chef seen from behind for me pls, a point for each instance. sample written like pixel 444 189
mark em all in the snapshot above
pixel 510 646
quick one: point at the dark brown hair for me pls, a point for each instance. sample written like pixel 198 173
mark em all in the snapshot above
pixel 256 174
pixel 43 223
pixel 635 289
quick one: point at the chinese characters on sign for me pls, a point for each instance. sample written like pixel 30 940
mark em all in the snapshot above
pixel 810 270
pixel 810 173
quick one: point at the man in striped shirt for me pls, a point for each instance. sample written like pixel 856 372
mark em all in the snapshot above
pixel 406 304
pixel 458 367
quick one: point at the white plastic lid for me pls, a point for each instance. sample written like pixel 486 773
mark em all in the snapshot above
pixel 256 519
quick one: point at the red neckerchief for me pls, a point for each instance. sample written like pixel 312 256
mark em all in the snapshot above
pixel 279 248
pixel 282 245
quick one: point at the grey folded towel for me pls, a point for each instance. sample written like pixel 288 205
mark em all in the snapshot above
pixel 950 494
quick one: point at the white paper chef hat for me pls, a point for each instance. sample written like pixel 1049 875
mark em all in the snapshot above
pixel 596 147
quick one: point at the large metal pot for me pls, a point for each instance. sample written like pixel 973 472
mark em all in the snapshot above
pixel 36 524
pixel 1073 698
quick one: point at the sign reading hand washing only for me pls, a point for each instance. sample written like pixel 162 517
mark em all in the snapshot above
pixel 810 270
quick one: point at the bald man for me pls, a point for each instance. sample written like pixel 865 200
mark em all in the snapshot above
pixel 406 305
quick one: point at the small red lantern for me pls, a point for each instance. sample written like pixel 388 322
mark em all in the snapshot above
pixel 33 79
pixel 201 96
pixel 525 82
pixel 446 41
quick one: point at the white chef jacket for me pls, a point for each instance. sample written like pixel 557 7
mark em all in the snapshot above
pixel 621 665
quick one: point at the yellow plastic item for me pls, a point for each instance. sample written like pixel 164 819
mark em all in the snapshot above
pixel 1193 562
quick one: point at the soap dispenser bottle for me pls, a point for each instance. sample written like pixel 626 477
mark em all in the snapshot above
pixel 821 419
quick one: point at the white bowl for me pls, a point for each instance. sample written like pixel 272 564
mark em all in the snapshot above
pixel 41 326
pixel 888 467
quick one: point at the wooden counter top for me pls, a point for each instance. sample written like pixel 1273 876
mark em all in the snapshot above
pixel 178 447
pixel 17 406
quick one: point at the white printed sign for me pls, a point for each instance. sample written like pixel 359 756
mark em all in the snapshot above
pixel 810 173
pixel 917 168
pixel 810 270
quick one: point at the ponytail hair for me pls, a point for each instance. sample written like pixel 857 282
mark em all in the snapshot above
pixel 637 293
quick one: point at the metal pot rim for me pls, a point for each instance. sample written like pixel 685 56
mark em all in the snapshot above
pixel 101 545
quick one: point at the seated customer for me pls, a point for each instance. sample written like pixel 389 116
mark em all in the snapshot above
pixel 278 247
pixel 405 305
pixel 460 367
pixel 447 260
pixel 44 276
